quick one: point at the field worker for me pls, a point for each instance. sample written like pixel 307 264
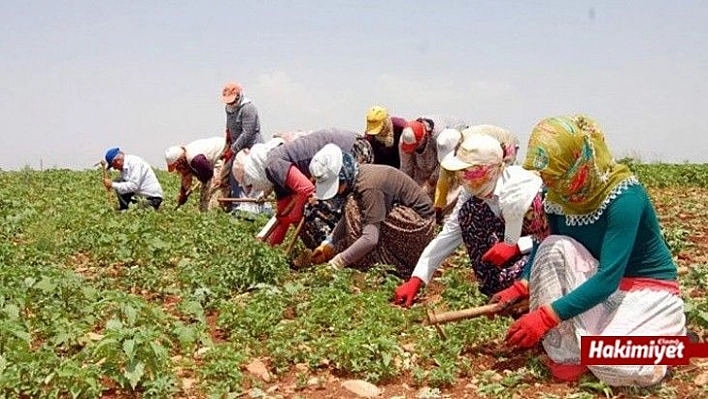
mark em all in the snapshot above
pixel 237 171
pixel 136 179
pixel 243 130
pixel 498 205
pixel 384 134
pixel 418 150
pixel 387 218
pixel 284 168
pixel 447 187
pixel 201 159
pixel 605 270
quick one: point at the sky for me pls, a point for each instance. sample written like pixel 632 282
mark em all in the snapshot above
pixel 78 77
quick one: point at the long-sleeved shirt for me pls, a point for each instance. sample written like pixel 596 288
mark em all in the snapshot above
pixel 450 237
pixel 388 155
pixel 446 180
pixel 243 126
pixel 626 240
pixel 422 164
pixel 201 155
pixel 299 153
pixel 379 188
pixel 137 177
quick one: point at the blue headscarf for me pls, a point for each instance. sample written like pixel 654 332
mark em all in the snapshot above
pixel 349 171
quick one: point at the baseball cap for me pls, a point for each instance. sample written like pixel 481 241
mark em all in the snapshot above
pixel 230 91
pixel 111 154
pixel 172 154
pixel 515 198
pixel 375 119
pixel 446 142
pixel 508 141
pixel 411 136
pixel 325 167
pixel 476 149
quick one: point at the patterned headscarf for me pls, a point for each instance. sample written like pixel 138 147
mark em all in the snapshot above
pixel 576 165
pixel 386 136
pixel 349 171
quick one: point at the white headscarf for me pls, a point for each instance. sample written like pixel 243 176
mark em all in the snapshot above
pixel 255 165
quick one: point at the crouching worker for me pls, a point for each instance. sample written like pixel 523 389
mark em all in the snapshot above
pixel 387 218
pixel 447 188
pixel 497 217
pixel 283 167
pixel 136 179
pixel 200 159
pixel 606 270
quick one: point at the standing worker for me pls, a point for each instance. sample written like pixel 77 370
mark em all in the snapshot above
pixel 243 130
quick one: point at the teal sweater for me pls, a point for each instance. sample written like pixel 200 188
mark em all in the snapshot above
pixel 626 240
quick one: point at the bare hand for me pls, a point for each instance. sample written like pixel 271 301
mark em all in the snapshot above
pixel 108 183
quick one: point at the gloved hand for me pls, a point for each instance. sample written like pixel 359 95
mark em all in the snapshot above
pixel 531 327
pixel 182 198
pixel 228 154
pixel 337 262
pixel 508 296
pixel 501 253
pixel 406 292
pixel 323 253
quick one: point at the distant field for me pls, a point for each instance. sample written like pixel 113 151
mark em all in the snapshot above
pixel 95 303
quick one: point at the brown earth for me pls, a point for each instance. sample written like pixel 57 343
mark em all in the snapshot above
pixel 677 209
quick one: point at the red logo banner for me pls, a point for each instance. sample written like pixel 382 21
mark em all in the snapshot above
pixel 639 350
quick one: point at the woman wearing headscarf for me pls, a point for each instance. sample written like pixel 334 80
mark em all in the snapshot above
pixel 284 169
pixel 497 217
pixel 384 133
pixel 446 188
pixel 201 159
pixel 387 218
pixel 418 150
pixel 606 269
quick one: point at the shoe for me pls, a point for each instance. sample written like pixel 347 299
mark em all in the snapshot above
pixel 565 371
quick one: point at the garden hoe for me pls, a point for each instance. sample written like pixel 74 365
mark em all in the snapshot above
pixel 104 171
pixel 188 193
pixel 246 200
pixel 436 319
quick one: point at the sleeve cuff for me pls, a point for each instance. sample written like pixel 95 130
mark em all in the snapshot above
pixel 525 244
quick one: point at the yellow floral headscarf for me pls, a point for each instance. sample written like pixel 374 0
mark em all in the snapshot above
pixel 572 157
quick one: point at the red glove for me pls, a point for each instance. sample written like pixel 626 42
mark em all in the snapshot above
pixel 406 292
pixel 531 327
pixel 228 154
pixel 501 253
pixel 513 294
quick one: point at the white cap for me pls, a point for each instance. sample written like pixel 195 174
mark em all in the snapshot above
pixel 446 142
pixel 172 155
pixel 515 199
pixel 476 149
pixel 325 167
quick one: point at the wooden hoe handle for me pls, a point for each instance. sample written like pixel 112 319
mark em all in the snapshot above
pixel 455 315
